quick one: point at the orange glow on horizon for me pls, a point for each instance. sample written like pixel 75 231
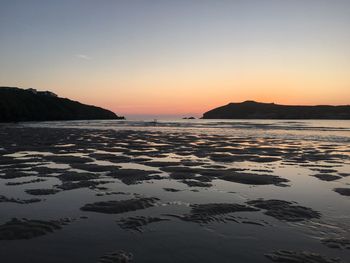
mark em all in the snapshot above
pixel 196 87
pixel 195 95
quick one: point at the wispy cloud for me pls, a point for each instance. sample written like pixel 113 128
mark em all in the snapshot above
pixel 83 56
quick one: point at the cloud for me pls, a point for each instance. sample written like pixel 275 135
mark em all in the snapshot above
pixel 82 56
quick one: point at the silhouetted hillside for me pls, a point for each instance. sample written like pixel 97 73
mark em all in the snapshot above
pixel 32 105
pixel 256 110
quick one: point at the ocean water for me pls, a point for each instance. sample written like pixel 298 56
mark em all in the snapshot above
pixel 333 130
pixel 199 171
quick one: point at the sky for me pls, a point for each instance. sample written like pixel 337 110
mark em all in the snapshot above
pixel 178 58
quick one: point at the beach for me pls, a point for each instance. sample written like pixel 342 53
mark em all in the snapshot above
pixel 175 191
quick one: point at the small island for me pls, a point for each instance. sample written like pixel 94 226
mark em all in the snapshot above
pixel 258 110
pixel 31 105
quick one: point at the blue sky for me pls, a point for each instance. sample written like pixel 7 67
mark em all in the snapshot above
pixel 178 57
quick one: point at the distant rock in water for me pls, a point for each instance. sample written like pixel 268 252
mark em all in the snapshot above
pixel 32 105
pixel 257 110
pixel 189 118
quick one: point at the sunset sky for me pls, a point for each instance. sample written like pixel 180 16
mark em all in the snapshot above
pixel 178 57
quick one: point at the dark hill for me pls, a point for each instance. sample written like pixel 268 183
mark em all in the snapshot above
pixel 256 110
pixel 32 105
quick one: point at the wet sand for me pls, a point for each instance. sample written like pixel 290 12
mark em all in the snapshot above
pixel 171 196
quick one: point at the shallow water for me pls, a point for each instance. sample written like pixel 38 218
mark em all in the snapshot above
pixel 189 163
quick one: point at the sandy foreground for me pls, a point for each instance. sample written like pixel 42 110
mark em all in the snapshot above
pixel 84 195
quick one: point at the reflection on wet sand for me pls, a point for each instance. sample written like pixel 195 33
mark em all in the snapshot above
pixel 212 187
